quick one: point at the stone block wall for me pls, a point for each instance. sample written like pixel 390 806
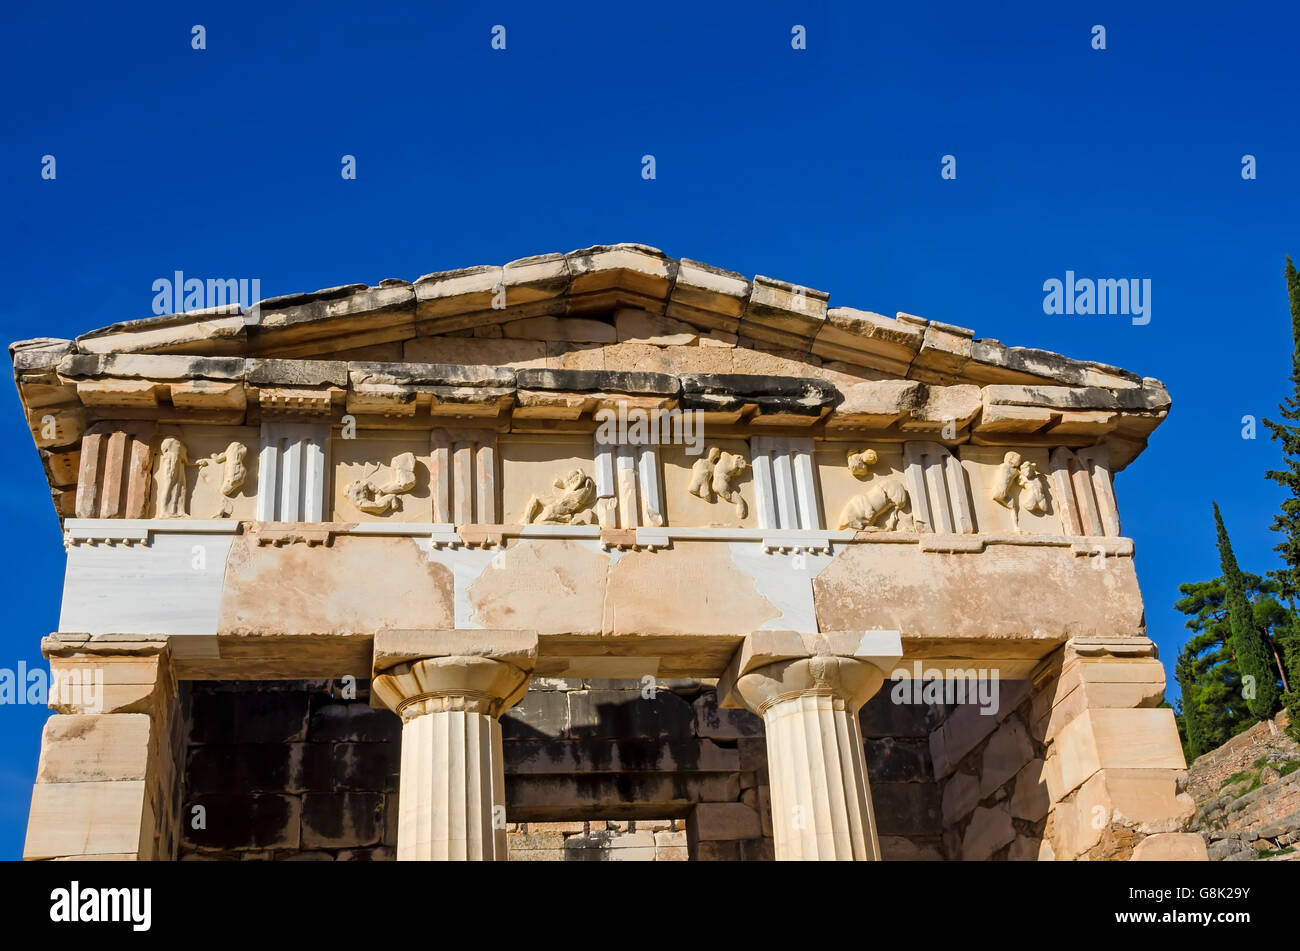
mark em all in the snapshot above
pixel 599 840
pixel 990 769
pixel 288 770
pixel 595 770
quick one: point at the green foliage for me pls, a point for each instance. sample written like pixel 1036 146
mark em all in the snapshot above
pixel 1254 659
pixel 1212 709
pixel 1287 522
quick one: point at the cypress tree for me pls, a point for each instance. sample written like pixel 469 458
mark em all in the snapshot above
pixel 1194 737
pixel 1287 522
pixel 1254 660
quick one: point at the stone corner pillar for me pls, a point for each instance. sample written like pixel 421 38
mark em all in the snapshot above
pixel 1113 757
pixel 107 785
pixel 450 689
pixel 808 689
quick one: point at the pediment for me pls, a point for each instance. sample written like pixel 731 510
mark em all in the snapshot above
pixel 546 342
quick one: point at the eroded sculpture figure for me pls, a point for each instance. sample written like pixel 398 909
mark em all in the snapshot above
pixel 572 505
pixel 233 475
pixel 1033 498
pixel 375 494
pixel 885 498
pixel 714 475
pixel 172 460
pixel 1005 478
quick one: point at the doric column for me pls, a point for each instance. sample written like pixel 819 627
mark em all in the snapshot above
pixel 108 786
pixel 450 695
pixel 1113 756
pixel 808 689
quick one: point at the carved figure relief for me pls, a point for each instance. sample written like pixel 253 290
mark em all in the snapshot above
pixel 1016 473
pixel 712 477
pixel 885 498
pixel 571 505
pixel 233 475
pixel 1033 498
pixel 172 460
pixel 379 494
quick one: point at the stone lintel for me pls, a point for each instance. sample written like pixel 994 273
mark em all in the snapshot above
pixel 394 647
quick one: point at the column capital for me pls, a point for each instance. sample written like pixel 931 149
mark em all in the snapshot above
pixel 772 666
pixel 849 682
pixel 427 671
pixel 442 684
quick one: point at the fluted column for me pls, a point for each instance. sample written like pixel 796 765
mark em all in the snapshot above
pixel 452 784
pixel 821 801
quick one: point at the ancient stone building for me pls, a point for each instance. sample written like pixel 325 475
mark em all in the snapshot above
pixel 593 555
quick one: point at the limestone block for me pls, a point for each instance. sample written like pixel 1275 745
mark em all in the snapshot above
pixel 341 820
pixel 1114 739
pixel 1118 683
pixel 573 329
pixel 637 326
pixel 907 809
pixel 961 794
pixel 715 821
pixel 1009 749
pixel 80 749
pixel 989 830
pixel 243 821
pixel 1024 849
pixel 88 818
pixel 1014 419
pixel 782 313
pixel 895 848
pixel 131 684
pixel 1171 847
pixel 708 296
pixel 868 339
pixel 1030 799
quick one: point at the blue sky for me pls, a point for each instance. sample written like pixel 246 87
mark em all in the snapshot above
pixel 819 166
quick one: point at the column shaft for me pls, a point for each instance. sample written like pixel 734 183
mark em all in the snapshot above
pixel 821 802
pixel 452 788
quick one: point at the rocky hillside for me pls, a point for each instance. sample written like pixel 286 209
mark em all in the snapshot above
pixel 1247 795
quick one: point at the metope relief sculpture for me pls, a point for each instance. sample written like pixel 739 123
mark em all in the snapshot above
pixel 572 504
pixel 1018 486
pixel 378 492
pixel 713 477
pixel 172 462
pixel 883 506
pixel 234 473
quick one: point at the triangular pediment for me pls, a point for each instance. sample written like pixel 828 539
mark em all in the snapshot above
pixel 546 342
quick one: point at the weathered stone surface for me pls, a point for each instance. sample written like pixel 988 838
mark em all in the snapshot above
pixel 1171 847
pixel 245 821
pixel 989 830
pixel 721 821
pixel 555 328
pixel 961 793
pixel 1007 752
pixel 343 820
pixel 263 372
pixel 246 718
pixel 1030 799
pixel 791 395
pixel 135 366
pixel 602 381
pixel 430 374
pixel 308 589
